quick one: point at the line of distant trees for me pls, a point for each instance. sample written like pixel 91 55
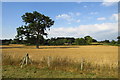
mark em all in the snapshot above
pixel 87 40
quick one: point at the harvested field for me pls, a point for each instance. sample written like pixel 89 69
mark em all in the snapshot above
pixel 98 59
pixel 96 53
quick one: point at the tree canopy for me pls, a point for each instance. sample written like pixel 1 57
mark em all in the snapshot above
pixel 36 25
pixel 88 39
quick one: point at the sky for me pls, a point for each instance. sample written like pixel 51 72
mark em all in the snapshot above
pixel 72 19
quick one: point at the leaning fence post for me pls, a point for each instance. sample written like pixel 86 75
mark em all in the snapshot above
pixel 25 60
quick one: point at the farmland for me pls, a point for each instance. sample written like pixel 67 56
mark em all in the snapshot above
pixel 95 54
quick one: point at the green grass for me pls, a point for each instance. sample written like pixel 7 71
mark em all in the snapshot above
pixel 32 72
pixel 12 71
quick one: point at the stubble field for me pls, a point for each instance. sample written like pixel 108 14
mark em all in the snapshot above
pixel 96 54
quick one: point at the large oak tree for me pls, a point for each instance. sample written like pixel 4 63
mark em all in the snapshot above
pixel 35 25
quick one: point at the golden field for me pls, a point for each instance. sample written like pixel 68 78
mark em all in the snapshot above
pixel 99 54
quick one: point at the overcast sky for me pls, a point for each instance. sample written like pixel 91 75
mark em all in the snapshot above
pixel 72 19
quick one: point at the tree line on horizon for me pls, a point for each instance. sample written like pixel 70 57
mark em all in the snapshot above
pixel 35 28
pixel 87 40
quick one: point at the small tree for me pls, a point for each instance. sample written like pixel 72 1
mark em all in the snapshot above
pixel 35 26
pixel 88 39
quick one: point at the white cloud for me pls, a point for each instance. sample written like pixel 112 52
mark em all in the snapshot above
pixel 99 31
pixel 109 2
pixel 92 13
pixel 84 6
pixel 77 14
pixel 64 16
pixel 69 23
pixel 70 17
pixel 74 14
pixel 114 17
pixel 78 20
pixel 101 18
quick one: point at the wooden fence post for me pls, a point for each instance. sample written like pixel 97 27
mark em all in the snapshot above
pixel 82 64
pixel 48 61
pixel 26 60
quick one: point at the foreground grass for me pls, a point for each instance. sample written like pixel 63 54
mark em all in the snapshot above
pixel 56 67
pixel 10 71
pixel 32 72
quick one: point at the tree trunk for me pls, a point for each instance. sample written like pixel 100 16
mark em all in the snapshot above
pixel 37 42
pixel 37 46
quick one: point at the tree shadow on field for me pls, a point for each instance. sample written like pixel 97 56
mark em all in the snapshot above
pixel 9 47
pixel 38 48
pixel 56 47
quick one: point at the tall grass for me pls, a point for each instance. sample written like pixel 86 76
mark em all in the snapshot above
pixel 59 63
pixel 10 60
